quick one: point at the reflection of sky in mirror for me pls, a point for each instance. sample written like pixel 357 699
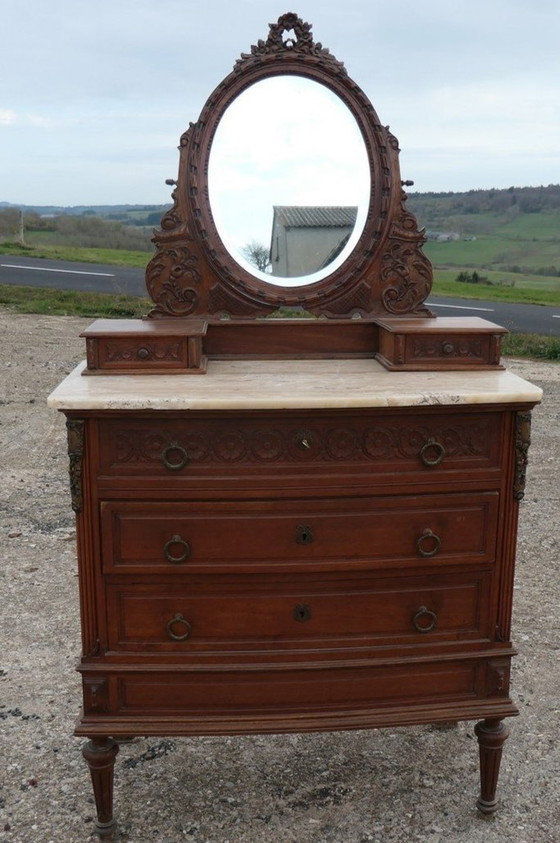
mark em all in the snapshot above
pixel 284 141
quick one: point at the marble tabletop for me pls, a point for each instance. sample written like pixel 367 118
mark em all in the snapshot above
pixel 290 384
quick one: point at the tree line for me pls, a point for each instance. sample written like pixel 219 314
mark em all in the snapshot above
pixel 86 230
pixel 528 200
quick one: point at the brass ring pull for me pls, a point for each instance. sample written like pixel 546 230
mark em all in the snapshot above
pixel 428 544
pixel 434 446
pixel 180 620
pixel 169 451
pixel 186 550
pixel 424 620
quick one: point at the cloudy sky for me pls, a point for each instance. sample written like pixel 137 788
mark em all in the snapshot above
pixel 95 95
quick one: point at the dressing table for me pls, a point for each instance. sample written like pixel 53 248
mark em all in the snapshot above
pixel 302 524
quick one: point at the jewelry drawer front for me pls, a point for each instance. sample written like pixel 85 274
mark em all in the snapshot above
pixel 283 445
pixel 171 537
pixel 268 615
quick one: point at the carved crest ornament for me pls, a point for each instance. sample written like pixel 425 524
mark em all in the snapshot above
pixel 193 273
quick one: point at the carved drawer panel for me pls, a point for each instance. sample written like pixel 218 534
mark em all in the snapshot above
pixel 278 446
pixel 244 614
pixel 167 537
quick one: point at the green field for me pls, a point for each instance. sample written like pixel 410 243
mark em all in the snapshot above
pixel 517 252
pixel 498 252
pixel 80 254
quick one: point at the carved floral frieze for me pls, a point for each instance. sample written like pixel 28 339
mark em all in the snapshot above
pixel 379 442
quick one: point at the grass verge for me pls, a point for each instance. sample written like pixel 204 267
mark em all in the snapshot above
pixel 531 345
pixel 445 285
pixel 79 254
pixel 72 303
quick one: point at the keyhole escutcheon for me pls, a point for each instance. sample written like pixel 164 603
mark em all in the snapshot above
pixel 302 612
pixel 304 534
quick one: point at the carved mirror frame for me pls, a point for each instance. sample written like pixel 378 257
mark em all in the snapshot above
pixel 192 274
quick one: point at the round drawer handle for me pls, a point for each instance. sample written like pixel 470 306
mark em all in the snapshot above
pixel 304 534
pixel 424 620
pixel 428 544
pixel 185 552
pixel 435 447
pixel 448 348
pixel 143 353
pixel 180 621
pixel 169 457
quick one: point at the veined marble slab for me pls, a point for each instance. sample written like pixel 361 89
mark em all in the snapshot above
pixel 289 384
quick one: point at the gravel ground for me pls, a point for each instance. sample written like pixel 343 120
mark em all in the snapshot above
pixel 409 784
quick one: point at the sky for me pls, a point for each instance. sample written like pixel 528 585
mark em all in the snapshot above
pixel 95 95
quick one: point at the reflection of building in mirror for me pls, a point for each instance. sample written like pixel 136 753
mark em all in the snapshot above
pixel 307 238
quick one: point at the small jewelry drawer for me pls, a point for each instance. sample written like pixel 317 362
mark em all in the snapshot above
pixel 228 615
pixel 170 537
pixel 132 346
pixel 279 449
pixel 424 344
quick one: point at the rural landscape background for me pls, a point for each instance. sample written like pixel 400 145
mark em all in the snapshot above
pixel 484 244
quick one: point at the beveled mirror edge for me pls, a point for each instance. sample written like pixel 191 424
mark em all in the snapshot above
pixel 192 274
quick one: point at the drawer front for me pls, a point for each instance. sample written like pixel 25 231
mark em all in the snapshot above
pixel 266 614
pixel 285 445
pixel 122 354
pixel 232 695
pixel 194 537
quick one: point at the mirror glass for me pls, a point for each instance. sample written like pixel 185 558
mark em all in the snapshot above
pixel 289 180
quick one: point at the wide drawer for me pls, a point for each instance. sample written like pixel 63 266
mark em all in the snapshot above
pixel 197 536
pixel 254 613
pixel 279 447
pixel 223 699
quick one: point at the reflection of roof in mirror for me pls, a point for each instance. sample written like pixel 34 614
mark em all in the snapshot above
pixel 309 216
pixel 307 238
pixel 285 141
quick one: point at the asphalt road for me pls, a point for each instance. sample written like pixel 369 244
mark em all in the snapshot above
pixel 66 275
pixel 36 272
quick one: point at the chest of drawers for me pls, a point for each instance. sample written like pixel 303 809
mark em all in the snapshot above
pixel 292 524
pixel 253 561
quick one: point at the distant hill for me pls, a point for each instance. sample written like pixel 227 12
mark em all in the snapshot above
pixel 432 209
pixel 130 214
pixel 445 209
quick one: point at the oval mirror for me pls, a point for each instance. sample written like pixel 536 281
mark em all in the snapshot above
pixel 289 180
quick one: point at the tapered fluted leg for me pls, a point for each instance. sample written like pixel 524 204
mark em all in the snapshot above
pixel 491 735
pixel 100 754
